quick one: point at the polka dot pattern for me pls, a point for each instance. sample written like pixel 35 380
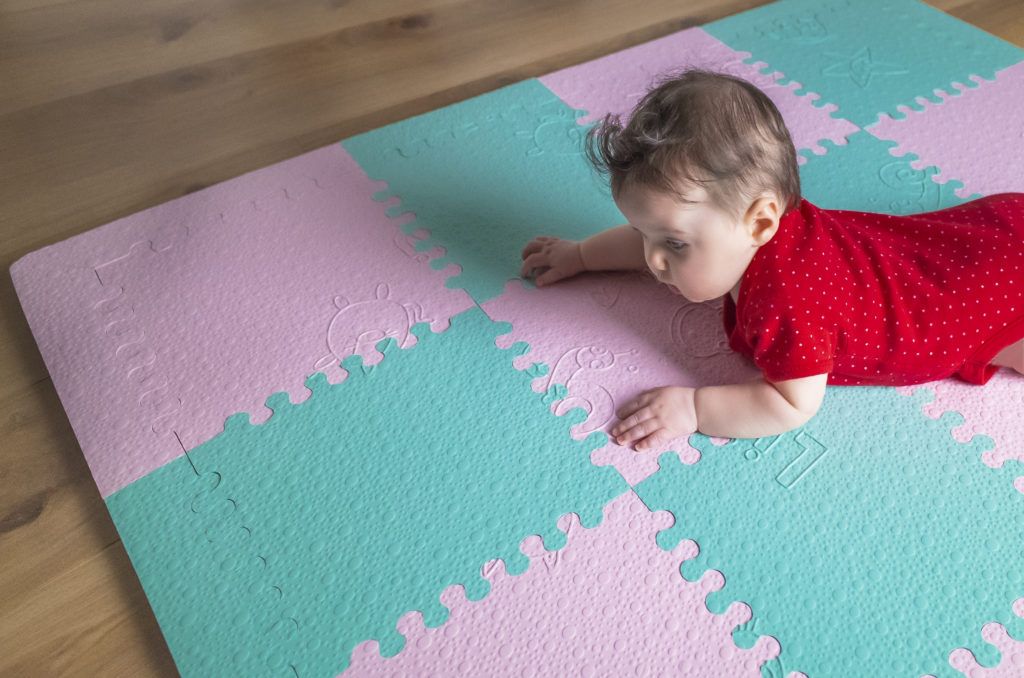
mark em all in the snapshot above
pixel 876 299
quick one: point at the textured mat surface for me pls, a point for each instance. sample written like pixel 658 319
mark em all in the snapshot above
pixel 308 484
pixel 837 521
pixel 868 57
pixel 203 307
pixel 615 83
pixel 607 337
pixel 304 535
pixel 542 623
pixel 483 175
pixel 983 157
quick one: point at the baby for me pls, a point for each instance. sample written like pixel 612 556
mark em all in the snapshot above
pixel 706 174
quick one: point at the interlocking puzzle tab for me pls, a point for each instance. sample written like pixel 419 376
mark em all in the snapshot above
pixel 823 532
pixel 205 306
pixel 595 607
pixel 487 175
pixel 997 411
pixel 975 135
pixel 863 176
pixel 613 84
pixel 344 512
pixel 877 54
pixel 609 336
pixel 1011 649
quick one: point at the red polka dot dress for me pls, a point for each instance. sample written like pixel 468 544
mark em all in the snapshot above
pixel 874 299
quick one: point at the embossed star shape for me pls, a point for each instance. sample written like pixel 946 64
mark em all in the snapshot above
pixel 861 68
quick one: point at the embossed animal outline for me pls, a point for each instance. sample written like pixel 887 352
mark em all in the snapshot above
pixel 576 370
pixel 550 134
pixel 695 329
pixel 919 192
pixel 357 328
pixel 606 296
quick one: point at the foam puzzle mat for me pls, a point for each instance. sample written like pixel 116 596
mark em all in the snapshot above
pixel 338 435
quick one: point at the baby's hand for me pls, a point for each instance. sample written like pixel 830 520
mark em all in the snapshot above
pixel 548 259
pixel 656 416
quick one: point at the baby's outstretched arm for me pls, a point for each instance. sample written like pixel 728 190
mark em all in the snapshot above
pixel 752 410
pixel 548 259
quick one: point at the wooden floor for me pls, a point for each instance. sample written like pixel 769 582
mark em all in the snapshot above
pixel 109 107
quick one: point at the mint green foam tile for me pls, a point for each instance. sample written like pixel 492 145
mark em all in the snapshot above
pixel 292 541
pixel 863 175
pixel 486 176
pixel 866 56
pixel 868 542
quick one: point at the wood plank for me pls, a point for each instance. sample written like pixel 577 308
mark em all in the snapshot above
pixel 51 514
pixel 59 50
pixel 1002 18
pixel 71 598
pixel 92 619
pixel 146 138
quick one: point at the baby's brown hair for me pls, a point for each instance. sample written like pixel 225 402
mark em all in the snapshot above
pixel 704 129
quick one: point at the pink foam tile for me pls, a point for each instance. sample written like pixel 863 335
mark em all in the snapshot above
pixel 1011 664
pixel 975 136
pixel 613 84
pixel 995 410
pixel 610 602
pixel 606 338
pixel 157 327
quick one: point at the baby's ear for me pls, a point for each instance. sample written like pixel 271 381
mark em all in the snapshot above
pixel 762 219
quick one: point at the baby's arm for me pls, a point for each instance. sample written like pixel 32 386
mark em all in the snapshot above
pixel 548 259
pixel 752 410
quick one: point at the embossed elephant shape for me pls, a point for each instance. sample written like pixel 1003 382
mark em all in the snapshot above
pixel 357 328
pixel 577 370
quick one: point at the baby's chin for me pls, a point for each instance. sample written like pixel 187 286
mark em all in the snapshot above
pixel 697 299
pixel 702 298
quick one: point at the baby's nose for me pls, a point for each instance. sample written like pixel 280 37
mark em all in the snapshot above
pixel 655 260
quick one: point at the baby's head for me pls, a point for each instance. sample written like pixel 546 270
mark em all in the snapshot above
pixel 704 169
pixel 701 130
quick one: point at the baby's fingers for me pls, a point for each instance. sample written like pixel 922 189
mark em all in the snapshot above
pixel 534 264
pixel 646 434
pixel 635 423
pixel 536 245
pixel 633 406
pixel 532 247
pixel 656 438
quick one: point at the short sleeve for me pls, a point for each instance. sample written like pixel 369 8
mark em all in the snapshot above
pixel 789 342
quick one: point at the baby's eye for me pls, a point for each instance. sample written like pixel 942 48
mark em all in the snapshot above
pixel 675 244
